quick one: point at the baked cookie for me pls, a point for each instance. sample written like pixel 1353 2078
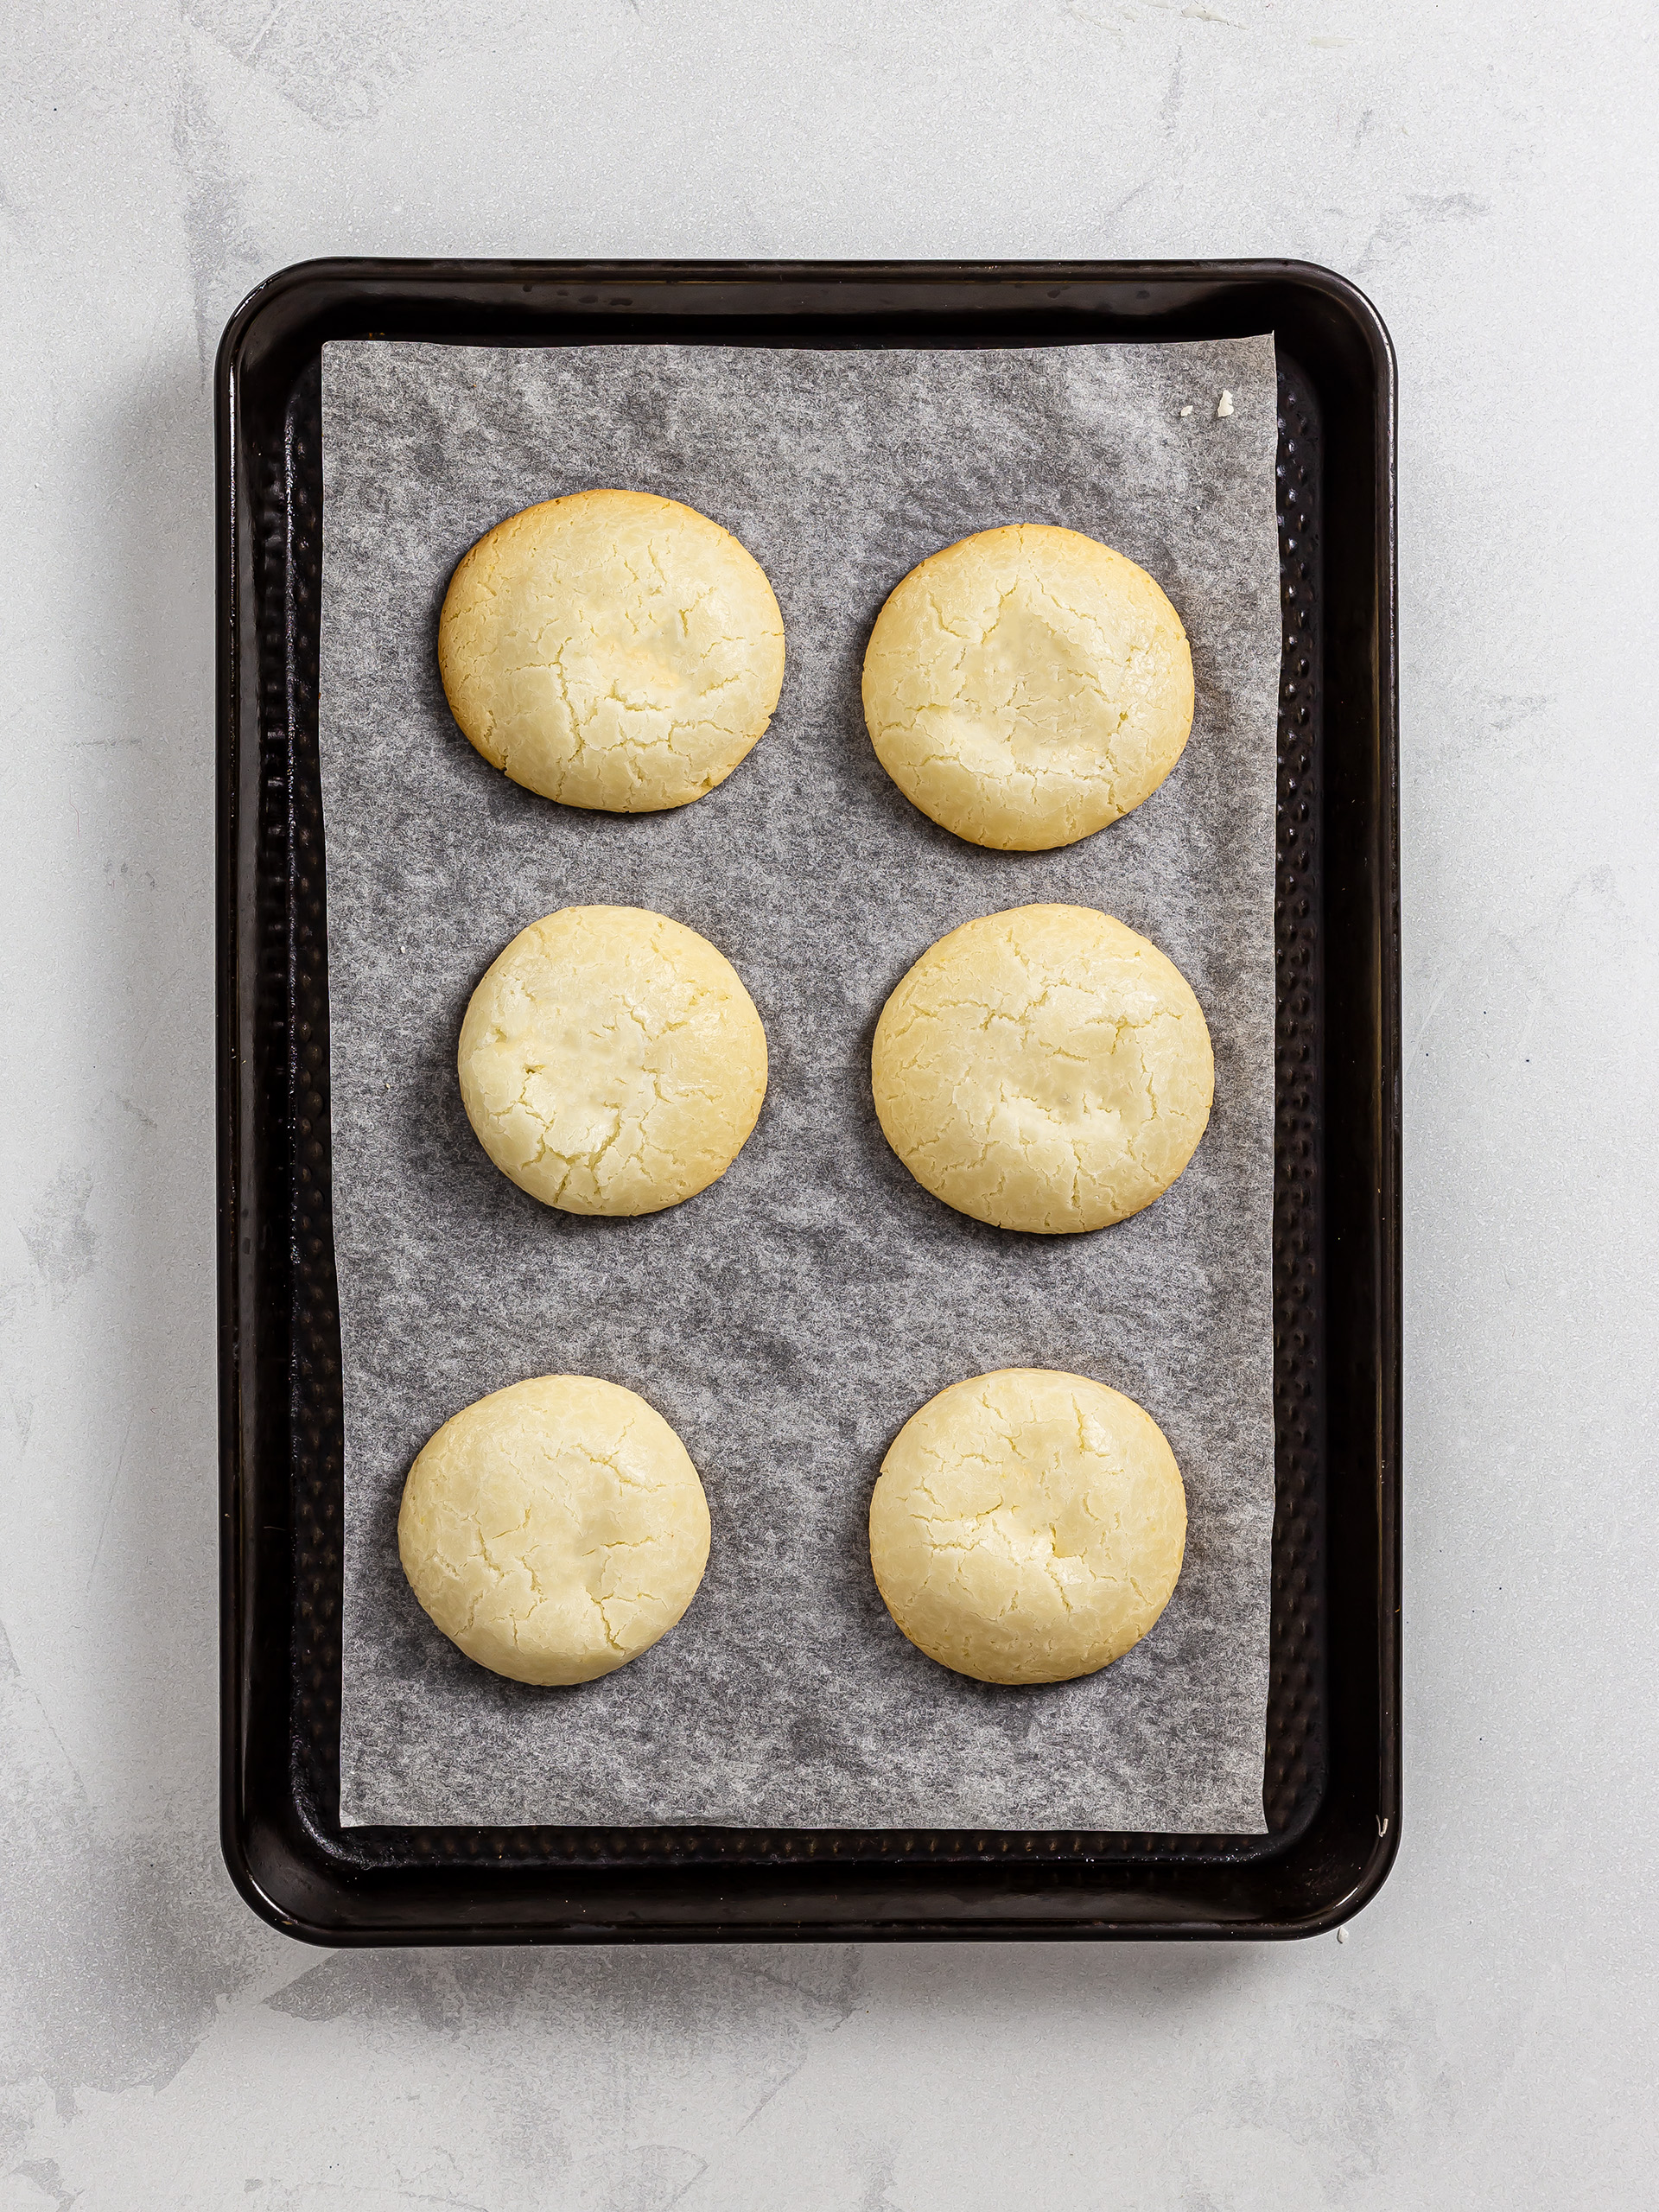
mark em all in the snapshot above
pixel 1028 1526
pixel 1026 686
pixel 611 1061
pixel 1045 1069
pixel 556 1529
pixel 611 650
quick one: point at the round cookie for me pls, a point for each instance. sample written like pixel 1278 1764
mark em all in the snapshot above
pixel 612 650
pixel 1028 1526
pixel 1026 686
pixel 556 1529
pixel 1045 1069
pixel 611 1061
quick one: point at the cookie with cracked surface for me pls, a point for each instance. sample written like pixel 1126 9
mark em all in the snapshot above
pixel 1028 1526
pixel 1026 686
pixel 1045 1069
pixel 556 1529
pixel 611 1061
pixel 612 650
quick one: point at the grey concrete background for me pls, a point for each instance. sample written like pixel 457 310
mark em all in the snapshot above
pixel 1485 2036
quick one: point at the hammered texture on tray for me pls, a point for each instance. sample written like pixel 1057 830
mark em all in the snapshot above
pixel 294 1058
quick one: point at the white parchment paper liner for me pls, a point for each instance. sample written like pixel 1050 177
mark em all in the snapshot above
pixel 790 1319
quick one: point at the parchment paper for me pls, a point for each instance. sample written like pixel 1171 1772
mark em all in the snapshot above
pixel 789 1320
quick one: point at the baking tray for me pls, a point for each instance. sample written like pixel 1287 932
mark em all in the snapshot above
pixel 1332 1788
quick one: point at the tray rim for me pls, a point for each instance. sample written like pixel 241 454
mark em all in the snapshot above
pixel 963 1912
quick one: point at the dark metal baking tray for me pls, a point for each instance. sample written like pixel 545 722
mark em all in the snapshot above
pixel 1332 1788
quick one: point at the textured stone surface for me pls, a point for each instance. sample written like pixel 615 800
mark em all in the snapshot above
pixel 1483 2036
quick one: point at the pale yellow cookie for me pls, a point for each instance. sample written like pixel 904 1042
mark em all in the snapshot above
pixel 556 1529
pixel 611 1061
pixel 1028 1526
pixel 1026 686
pixel 1045 1069
pixel 612 650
